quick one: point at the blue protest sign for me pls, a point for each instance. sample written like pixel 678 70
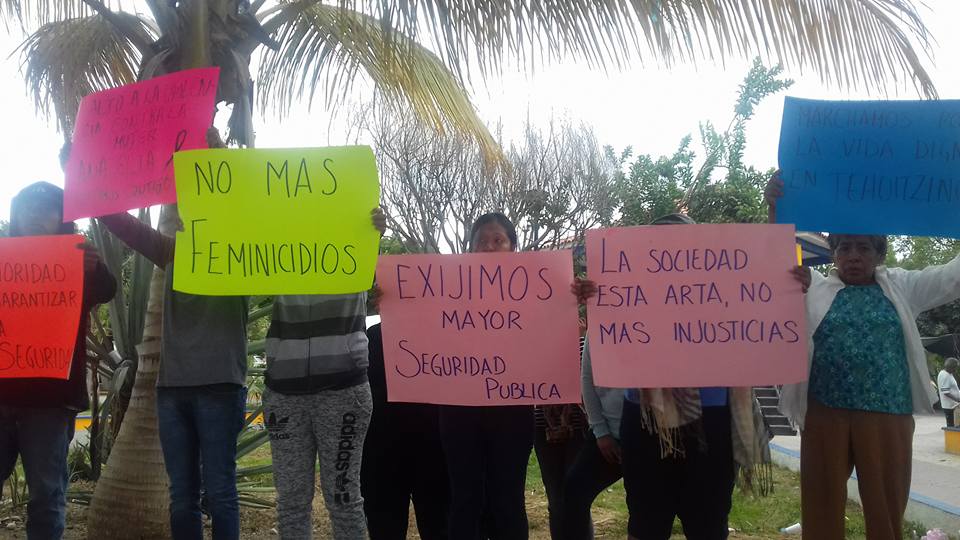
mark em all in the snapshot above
pixel 871 167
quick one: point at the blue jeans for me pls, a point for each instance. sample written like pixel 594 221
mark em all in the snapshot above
pixel 41 436
pixel 198 433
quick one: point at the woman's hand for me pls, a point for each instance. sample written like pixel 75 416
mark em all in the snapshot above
pixel 213 138
pixel 771 194
pixel 379 220
pixel 374 297
pixel 802 274
pixel 65 154
pixel 91 256
pixel 583 289
pixel 610 449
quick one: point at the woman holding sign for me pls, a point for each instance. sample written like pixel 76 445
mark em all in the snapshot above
pixel 37 415
pixel 487 448
pixel 868 375
pixel 681 450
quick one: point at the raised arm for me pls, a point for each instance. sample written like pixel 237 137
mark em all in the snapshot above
pixel 143 238
pixel 772 194
pixel 931 287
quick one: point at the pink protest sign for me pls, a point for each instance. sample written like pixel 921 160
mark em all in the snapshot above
pixel 124 140
pixel 695 306
pixel 480 329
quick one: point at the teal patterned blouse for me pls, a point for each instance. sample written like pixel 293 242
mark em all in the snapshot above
pixel 859 355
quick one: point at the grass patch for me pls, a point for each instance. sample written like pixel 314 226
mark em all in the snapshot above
pixel 752 517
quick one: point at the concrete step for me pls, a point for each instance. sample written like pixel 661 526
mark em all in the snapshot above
pixel 768 401
pixel 782 431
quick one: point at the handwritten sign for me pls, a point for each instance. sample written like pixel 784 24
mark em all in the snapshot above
pixel 125 137
pixel 290 221
pixel 41 294
pixel 480 329
pixel 695 306
pixel 871 167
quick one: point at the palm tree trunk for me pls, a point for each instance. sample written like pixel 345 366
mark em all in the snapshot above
pixel 132 498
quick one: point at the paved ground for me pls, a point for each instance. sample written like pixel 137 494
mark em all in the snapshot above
pixel 935 489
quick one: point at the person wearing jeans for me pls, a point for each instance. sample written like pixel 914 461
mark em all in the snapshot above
pixel 201 395
pixel 37 415
pixel 194 423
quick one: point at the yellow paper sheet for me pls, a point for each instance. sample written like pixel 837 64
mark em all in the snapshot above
pixel 276 221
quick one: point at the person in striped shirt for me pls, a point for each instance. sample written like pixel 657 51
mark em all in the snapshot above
pixel 318 404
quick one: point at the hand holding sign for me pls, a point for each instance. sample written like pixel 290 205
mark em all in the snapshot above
pixel 41 295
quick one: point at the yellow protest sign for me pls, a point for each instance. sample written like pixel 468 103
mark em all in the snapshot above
pixel 278 221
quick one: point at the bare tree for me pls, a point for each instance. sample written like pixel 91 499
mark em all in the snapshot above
pixel 554 183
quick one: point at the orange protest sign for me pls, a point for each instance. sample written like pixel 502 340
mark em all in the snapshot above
pixel 41 292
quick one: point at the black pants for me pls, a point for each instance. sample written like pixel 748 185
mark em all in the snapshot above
pixel 403 461
pixel 556 459
pixel 487 451
pixel 697 487
pixel 948 413
pixel 589 476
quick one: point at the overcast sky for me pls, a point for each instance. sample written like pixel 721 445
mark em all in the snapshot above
pixel 647 108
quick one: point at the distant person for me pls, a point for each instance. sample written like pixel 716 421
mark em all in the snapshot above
pixel 37 415
pixel 949 392
pixel 402 462
pixel 868 377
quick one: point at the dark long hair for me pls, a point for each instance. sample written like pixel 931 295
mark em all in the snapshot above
pixel 499 219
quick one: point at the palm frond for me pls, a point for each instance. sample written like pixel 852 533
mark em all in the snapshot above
pixel 66 60
pixel 870 44
pixel 39 12
pixel 30 14
pixel 325 47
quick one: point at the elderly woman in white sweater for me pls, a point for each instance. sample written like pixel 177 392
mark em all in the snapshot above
pixel 868 375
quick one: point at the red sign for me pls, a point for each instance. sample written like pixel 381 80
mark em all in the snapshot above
pixel 41 293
